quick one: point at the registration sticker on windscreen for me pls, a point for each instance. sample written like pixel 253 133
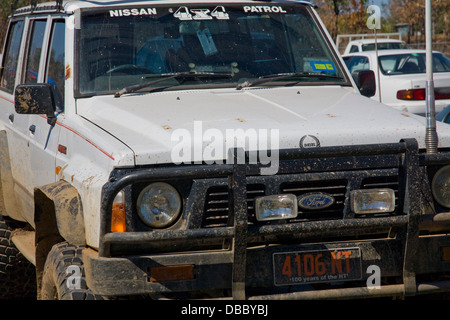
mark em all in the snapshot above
pixel 323 66
pixel 302 267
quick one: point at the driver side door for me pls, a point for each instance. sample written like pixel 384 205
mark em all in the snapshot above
pixel 44 136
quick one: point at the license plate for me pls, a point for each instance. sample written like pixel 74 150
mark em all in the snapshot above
pixel 314 266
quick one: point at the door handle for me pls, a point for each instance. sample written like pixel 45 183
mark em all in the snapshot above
pixel 32 128
pixel 11 117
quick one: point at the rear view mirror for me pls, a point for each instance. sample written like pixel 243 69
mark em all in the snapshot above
pixel 365 80
pixel 36 98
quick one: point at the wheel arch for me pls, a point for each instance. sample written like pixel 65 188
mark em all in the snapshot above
pixel 58 217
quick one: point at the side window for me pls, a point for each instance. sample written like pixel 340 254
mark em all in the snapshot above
pixel 34 51
pixel 55 74
pixel 354 49
pixel 441 63
pixel 11 56
pixel 358 63
pixel 447 119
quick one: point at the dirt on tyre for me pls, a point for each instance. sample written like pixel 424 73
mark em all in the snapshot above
pixel 17 274
pixel 63 277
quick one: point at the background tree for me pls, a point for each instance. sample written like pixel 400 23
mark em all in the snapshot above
pixel 412 12
pixel 343 16
pixel 5 11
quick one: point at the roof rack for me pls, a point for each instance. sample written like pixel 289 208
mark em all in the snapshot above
pixel 58 7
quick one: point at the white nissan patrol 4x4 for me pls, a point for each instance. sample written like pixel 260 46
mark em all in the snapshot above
pixel 166 149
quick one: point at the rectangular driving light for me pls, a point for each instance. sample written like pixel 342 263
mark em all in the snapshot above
pixel 275 207
pixel 366 201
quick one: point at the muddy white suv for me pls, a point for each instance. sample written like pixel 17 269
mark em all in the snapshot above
pixel 216 149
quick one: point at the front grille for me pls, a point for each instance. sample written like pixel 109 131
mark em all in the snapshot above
pixel 216 207
pixel 217 203
pixel 334 188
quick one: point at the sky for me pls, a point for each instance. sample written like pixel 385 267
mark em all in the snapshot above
pixel 378 2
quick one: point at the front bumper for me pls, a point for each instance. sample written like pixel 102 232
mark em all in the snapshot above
pixel 213 270
pixel 244 267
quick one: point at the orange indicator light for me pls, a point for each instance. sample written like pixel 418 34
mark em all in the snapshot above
pixel 118 214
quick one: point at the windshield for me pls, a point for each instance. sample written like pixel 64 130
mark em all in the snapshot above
pixel 412 63
pixel 125 46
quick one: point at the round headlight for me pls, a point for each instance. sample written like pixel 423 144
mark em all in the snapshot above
pixel 159 205
pixel 441 186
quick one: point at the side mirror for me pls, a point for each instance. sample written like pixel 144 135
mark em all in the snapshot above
pixel 365 80
pixel 38 98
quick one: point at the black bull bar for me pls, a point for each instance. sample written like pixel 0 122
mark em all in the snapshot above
pixel 404 155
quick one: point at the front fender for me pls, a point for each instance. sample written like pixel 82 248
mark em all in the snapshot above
pixel 63 201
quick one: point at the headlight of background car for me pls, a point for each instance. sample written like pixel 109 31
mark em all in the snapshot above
pixel 441 186
pixel 159 205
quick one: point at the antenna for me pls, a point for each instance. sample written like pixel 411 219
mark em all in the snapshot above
pixel 431 137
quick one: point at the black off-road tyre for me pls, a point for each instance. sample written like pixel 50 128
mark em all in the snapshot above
pixel 63 267
pixel 17 274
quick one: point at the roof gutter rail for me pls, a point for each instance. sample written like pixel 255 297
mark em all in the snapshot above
pixel 307 2
pixel 58 7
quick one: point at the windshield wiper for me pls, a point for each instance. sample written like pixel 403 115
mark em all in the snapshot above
pixel 166 76
pixel 281 76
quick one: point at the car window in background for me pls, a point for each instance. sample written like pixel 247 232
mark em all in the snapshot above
pixel 441 63
pixel 384 46
pixel 444 115
pixel 412 63
pixel 356 63
pixel 10 59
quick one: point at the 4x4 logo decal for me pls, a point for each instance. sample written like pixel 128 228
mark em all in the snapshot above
pixel 184 13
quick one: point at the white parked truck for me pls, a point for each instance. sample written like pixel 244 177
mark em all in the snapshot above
pixel 166 149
